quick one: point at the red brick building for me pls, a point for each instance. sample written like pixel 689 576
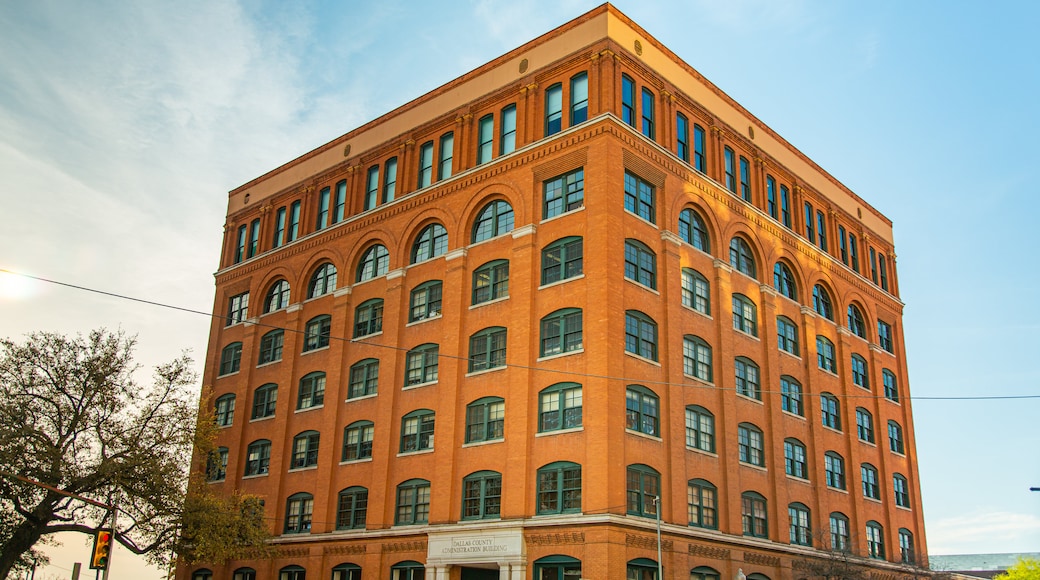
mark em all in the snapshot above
pixel 497 331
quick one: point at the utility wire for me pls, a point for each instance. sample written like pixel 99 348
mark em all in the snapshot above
pixel 506 365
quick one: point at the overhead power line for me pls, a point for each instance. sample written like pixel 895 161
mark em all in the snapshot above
pixel 466 359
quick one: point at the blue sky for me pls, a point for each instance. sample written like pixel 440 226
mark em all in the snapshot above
pixel 123 125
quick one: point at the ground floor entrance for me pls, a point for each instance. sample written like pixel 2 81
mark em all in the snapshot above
pixel 480 573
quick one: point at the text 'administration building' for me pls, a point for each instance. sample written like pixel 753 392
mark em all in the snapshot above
pixel 478 337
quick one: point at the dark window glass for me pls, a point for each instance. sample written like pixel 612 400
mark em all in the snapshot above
pixel 271 347
pixel 494 220
pixel 425 301
pixel 559 407
pixel 553 109
pixel 368 317
pixel 561 332
pixel 317 332
pixel 834 469
pixel 486 136
pixel 643 491
pixel 749 445
pixel 264 400
pixel 830 411
pixel 364 379
pixel 648 113
pixel 697 360
pixel 312 391
pixel 322 281
pixel 487 349
pixel 640 335
pixel 700 429
pixel 741 258
pixel 351 513
pixel 693 231
pixel 298 511
pixel 640 264
pixel 639 198
pixel 431 242
pixel 485 420
pixel 417 431
pixel 559 489
pixel 258 457
pixel 507 138
pixel 357 441
pixel 231 358
pixel 702 505
pixel 421 365
pixel 642 411
pixel 562 259
pixel 374 263
pixel 491 281
pixel 482 496
pixel 564 193
pixel 305 450
pixel 730 169
pixel 753 515
pixel 579 98
pixel 628 100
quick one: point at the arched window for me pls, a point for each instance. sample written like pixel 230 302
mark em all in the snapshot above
pixel 787 335
pixel 346 572
pixel 869 474
pixel 864 425
pixel 641 569
pixel 700 428
pixel 224 410
pixel 891 388
pixel 696 291
pixel 557 568
pixel 697 360
pixel 559 407
pixel 640 335
pixel 834 469
pixel 830 411
pixel 822 302
pixel 642 411
pixel 271 347
pixel 368 317
pixel 750 445
pixel 431 242
pixel 413 504
pixel 277 296
pixel 258 457
pixel 491 281
pixel 740 257
pixel 374 263
pixel 357 440
pixel 305 450
pixel 244 574
pixel 561 332
pixel 559 488
pixel 643 490
pixel 351 512
pixel 216 464
pixel 298 511
pixel 640 263
pixel 364 378
pixel 693 231
pixel 417 431
pixel 747 378
pixel 794 459
pixel 856 324
pixel 317 332
pixel 783 281
pixel 702 504
pixel 421 365
pixel 231 358
pixel 901 490
pixel 875 540
pixel 825 354
pixel 895 437
pixel 704 573
pixel 312 391
pixel 322 281
pixel 753 515
pixel 425 301
pixel 494 220
pixel 791 396
pixel 860 378
pixel 292 573
pixel 839 532
pixel 202 574
pixel 487 349
pixel 482 495
pixel 264 399
pixel 906 547
pixel 562 259
pixel 745 315
pixel 485 419
pixel 801 528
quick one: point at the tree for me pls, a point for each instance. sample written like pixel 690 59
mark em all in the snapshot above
pixel 73 418
pixel 1024 569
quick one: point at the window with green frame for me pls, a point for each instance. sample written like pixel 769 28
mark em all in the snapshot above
pixel 562 259
pixel 563 194
pixel 640 263
pixel 413 502
pixel 559 488
pixel 702 504
pixel 641 569
pixel 693 231
pixel 642 411
pixel 421 364
pixel 495 219
pixel 425 301
pixel 491 281
pixel 487 349
pixel 482 496
pixel 485 419
pixel 364 378
pixel 417 431
pixel 368 318
pixel 559 407
pixel 640 335
pixel 352 510
pixel 408 570
pixel 561 332
pixel 346 572
pixel 643 485
pixel 557 568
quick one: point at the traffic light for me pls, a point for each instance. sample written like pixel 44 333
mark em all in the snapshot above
pixel 102 547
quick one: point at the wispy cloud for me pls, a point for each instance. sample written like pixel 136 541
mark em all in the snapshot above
pixel 984 532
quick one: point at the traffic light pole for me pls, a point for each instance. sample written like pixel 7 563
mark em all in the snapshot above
pixel 112 549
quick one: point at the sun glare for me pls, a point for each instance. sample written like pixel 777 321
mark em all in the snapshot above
pixel 15 287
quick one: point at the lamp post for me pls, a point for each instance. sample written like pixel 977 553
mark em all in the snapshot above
pixel 657 509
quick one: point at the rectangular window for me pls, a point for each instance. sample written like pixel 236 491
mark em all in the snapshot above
pixel 507 140
pixel 294 221
pixel 323 208
pixel 340 205
pixel 579 98
pixel 254 238
pixel 771 197
pixel 698 148
pixel 554 109
pixel 731 175
pixel 639 198
pixel 240 246
pixel 628 100
pixel 372 188
pixel 843 246
pixel 238 305
pixel 682 137
pixel 785 206
pixel 390 180
pixel 854 252
pixel 279 228
pixel 745 179
pixel 810 231
pixel 447 153
pixel 884 331
pixel 883 272
pixel 648 113
pixel 425 165
pixel 873 266
pixel 486 138
pixel 821 227
pixel 564 193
